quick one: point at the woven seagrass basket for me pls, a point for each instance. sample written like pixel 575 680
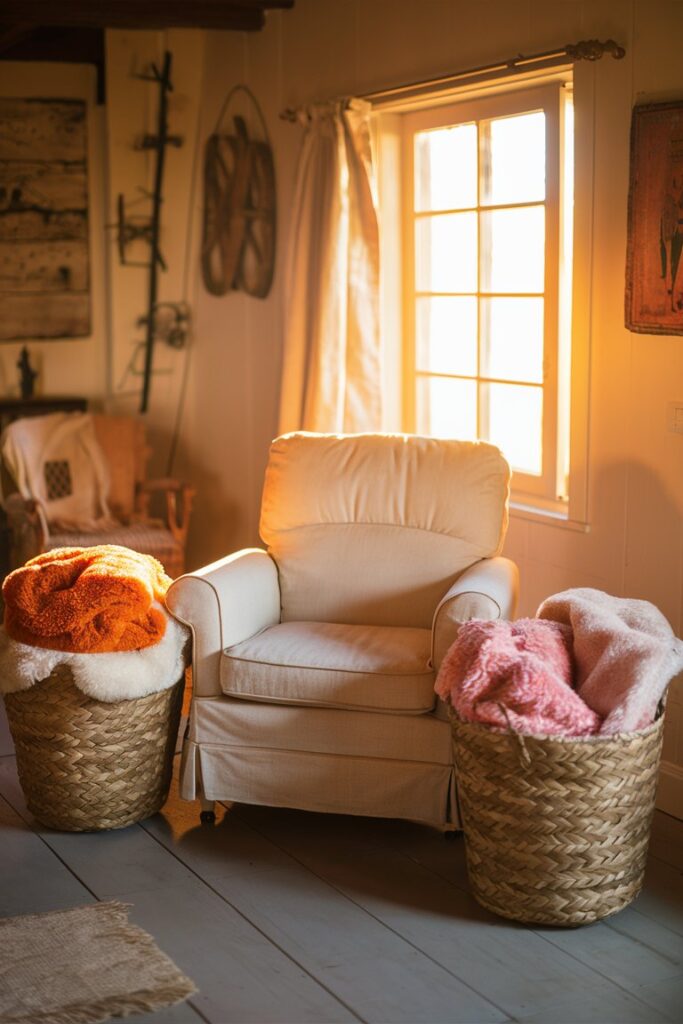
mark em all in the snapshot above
pixel 556 829
pixel 86 765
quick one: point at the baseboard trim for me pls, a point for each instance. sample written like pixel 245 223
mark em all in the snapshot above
pixel 670 789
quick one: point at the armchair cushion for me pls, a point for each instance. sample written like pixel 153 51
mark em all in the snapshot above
pixel 326 664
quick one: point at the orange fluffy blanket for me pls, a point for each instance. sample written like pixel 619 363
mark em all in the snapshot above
pixel 87 600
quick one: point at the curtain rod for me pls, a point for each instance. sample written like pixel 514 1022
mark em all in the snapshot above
pixel 587 49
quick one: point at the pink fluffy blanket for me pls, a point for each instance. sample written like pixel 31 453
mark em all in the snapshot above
pixel 589 663
pixel 515 675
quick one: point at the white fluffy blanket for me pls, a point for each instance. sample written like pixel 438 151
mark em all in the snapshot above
pixel 625 651
pixel 121 675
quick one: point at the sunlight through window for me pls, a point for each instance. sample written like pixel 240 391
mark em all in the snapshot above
pixel 485 208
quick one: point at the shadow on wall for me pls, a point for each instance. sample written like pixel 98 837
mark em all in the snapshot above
pixel 633 548
pixel 217 526
pixel 653 548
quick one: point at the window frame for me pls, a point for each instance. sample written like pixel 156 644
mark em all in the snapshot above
pixel 546 492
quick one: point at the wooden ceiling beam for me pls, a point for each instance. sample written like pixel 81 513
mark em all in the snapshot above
pixel 242 15
pixel 11 35
pixel 263 4
pixel 56 45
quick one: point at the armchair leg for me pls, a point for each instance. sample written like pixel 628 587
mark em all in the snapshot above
pixel 450 834
pixel 207 815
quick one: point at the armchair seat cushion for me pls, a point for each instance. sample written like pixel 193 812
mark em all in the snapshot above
pixel 327 664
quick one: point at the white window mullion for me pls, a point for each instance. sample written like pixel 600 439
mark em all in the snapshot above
pixel 551 304
pixel 500 206
pixel 483 170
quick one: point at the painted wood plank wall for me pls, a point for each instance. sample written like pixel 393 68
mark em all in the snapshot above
pixel 319 49
pixel 634 545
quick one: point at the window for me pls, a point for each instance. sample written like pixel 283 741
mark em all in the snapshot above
pixel 487 204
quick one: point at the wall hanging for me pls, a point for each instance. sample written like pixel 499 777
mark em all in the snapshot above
pixel 238 239
pixel 44 258
pixel 654 275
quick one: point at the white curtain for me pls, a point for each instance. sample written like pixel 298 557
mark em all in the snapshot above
pixel 331 379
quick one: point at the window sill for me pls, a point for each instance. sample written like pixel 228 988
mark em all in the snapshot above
pixel 547 517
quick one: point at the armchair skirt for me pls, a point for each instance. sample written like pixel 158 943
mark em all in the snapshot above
pixel 319 759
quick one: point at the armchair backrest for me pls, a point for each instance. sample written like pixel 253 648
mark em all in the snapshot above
pixel 123 444
pixel 374 528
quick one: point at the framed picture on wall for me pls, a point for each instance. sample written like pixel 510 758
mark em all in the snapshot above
pixel 654 263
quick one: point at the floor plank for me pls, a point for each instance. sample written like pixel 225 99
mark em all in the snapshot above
pixel 520 970
pixel 32 879
pixel 285 916
pixel 374 970
pixel 241 974
pixel 6 741
pixel 638 948
pixel 630 950
pixel 181 1013
pixel 666 995
pixel 661 898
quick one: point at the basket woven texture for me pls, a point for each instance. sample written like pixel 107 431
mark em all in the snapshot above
pixel 86 765
pixel 556 829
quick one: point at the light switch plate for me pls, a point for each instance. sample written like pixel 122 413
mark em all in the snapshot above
pixel 674 417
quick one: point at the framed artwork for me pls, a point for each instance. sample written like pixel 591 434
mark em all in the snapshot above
pixel 44 257
pixel 654 267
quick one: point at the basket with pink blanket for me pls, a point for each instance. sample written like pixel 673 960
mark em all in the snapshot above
pixel 557 728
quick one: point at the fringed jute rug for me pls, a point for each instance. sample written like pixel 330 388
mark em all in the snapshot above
pixel 82 966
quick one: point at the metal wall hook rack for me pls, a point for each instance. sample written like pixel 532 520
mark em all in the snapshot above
pixel 135 228
pixel 132 228
pixel 170 323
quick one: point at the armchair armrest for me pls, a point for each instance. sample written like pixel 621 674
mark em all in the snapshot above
pixel 487 590
pixel 178 503
pixel 224 603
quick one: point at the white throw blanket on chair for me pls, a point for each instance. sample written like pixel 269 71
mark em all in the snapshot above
pixel 56 461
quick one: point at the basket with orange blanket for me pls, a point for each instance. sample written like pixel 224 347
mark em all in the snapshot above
pixel 92 673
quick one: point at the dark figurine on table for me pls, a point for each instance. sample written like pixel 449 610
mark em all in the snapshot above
pixel 27 375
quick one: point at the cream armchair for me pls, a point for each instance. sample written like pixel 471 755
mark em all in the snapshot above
pixel 314 661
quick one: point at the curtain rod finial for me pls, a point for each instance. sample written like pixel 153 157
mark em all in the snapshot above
pixel 593 49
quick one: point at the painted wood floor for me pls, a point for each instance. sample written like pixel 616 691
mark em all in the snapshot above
pixel 283 916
